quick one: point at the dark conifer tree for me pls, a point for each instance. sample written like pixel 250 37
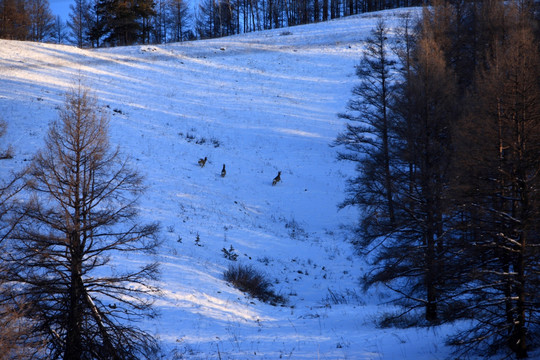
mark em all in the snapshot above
pixel 124 22
pixel 367 139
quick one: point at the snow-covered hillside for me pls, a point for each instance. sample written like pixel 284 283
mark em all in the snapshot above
pixel 259 103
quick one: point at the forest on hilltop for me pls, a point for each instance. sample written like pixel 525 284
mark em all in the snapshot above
pixel 96 23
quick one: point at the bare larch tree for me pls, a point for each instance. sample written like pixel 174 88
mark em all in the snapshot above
pixel 79 221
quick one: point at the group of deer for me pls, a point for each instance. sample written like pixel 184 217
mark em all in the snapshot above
pixel 202 163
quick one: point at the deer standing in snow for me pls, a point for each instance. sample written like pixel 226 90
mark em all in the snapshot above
pixel 277 178
pixel 223 172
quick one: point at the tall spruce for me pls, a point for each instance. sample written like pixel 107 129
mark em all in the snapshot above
pixel 59 31
pixel 206 19
pixel 124 22
pixel 366 140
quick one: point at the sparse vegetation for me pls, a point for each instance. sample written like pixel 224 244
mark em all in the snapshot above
pixel 7 154
pixel 264 260
pixel 248 279
pixel 191 137
pixel 296 232
pixel 200 141
pixel 342 298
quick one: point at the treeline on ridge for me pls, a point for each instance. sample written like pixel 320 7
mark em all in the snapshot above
pixel 97 23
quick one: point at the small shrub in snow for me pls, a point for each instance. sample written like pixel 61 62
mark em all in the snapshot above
pixel 247 279
pixel 190 137
pixel 201 141
pixel 230 254
pixel 296 232
pixel 7 154
pixel 343 298
pixel 265 260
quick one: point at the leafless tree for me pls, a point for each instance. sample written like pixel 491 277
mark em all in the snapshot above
pixel 41 25
pixel 78 222
pixel 78 23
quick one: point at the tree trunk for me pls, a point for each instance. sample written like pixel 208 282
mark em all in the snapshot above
pixel 73 349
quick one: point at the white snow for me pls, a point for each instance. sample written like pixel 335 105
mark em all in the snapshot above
pixel 261 103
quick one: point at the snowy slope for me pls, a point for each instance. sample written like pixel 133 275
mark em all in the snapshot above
pixel 259 103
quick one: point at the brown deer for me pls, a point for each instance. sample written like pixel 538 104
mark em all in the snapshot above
pixel 277 178
pixel 202 162
pixel 223 172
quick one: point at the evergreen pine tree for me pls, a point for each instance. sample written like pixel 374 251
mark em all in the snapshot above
pixel 367 140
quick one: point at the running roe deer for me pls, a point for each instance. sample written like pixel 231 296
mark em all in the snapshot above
pixel 202 162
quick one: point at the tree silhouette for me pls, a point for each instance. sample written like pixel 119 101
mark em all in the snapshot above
pixel 79 219
pixel 366 140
